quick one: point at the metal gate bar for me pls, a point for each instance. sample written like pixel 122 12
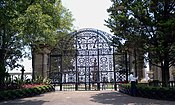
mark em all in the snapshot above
pixel 87 61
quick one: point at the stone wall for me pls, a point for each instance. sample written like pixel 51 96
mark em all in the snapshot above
pixel 40 62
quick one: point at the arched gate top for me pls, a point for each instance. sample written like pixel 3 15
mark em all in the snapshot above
pixel 71 39
pixel 106 36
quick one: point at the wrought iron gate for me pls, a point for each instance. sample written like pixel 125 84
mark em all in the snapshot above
pixel 85 60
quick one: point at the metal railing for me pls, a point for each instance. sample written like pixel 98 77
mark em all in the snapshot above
pixel 159 83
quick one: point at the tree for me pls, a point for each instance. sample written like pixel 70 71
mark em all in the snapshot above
pixel 150 21
pixel 11 49
pixel 63 54
pixel 30 23
pixel 42 21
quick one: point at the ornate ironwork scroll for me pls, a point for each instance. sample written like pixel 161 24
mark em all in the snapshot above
pixel 85 59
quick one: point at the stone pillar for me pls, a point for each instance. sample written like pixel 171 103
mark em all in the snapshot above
pixel 157 73
pixel 40 66
pixel 45 64
pixel 140 66
pixel 172 73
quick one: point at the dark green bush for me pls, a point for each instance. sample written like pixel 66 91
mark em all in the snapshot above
pixel 152 92
pixel 25 92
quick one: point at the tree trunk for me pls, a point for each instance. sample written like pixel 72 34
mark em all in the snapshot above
pixel 33 62
pixel 2 59
pixel 165 73
pixel 2 68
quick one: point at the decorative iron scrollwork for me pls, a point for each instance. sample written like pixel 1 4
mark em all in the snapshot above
pixel 90 60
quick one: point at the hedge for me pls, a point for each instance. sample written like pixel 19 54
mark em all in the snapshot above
pixel 25 92
pixel 161 93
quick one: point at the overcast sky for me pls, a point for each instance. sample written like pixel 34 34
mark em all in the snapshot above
pixel 87 14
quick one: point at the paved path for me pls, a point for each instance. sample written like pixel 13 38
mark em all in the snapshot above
pixel 86 98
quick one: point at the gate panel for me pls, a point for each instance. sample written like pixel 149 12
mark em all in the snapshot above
pixel 86 61
pixel 121 69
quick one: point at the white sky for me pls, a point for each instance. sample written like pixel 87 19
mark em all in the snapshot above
pixel 87 14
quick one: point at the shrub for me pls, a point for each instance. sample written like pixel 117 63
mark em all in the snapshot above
pixel 150 91
pixel 25 92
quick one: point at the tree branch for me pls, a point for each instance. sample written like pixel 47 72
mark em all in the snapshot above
pixel 155 64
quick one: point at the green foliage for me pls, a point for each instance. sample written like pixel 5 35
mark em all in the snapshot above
pixel 38 80
pixel 42 20
pixel 147 25
pixel 162 93
pixel 18 81
pixel 41 80
pixel 26 92
pixel 30 23
pixel 47 81
pixel 65 48
pixel 10 51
